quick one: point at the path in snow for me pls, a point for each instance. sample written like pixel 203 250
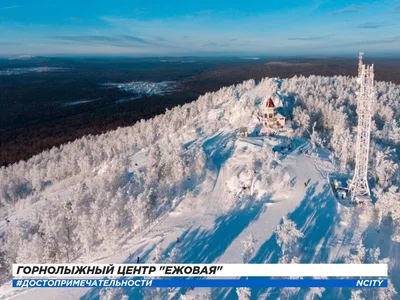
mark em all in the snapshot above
pixel 207 236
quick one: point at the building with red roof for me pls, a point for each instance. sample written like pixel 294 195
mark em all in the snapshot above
pixel 271 117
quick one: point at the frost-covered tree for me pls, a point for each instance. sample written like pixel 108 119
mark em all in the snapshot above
pixel 4 267
pixel 108 203
pixel 12 242
pixel 174 255
pixel 287 235
pixel 315 138
pixel 388 205
pixel 356 295
pixel 86 235
pixel 136 209
pixel 112 294
pixel 385 167
pixel 158 253
pixel 248 248
pixel 150 205
pixel 207 295
pixel 29 250
pixel 243 293
pixel 315 293
pixel 285 181
pixel 358 257
pixel 373 256
pixel 341 142
pixel 267 157
pixel 387 293
pixel 302 120
pixel 199 162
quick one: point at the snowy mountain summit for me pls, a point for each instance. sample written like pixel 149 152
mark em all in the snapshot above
pixel 229 197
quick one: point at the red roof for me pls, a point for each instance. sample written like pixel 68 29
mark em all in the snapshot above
pixel 270 103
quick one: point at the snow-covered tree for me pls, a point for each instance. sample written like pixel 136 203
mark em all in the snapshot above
pixel 243 293
pixel 106 204
pixel 200 161
pixel 356 295
pixel 386 293
pixel 4 267
pixel 358 257
pixel 29 250
pixel 285 181
pixel 302 120
pixel 267 157
pixel 315 293
pixel 316 140
pixel 112 294
pixel 373 256
pixel 388 205
pixel 287 235
pixel 248 248
pixel 12 243
pixel 86 235
pixel 158 253
pixel 207 295
pixel 150 205
pixel 174 255
pixel 341 142
pixel 385 167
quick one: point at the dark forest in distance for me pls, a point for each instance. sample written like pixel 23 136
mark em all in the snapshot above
pixel 33 119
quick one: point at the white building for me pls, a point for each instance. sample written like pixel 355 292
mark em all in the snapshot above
pixel 271 117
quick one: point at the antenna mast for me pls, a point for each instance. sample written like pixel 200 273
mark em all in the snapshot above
pixel 359 185
pixel 360 64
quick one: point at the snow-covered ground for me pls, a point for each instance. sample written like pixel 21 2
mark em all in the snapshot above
pixel 73 103
pixel 144 87
pixel 210 229
pixel 19 71
pixel 188 174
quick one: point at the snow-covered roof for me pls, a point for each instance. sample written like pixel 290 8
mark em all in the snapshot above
pixel 278 115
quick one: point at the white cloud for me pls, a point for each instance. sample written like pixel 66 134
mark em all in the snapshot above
pixel 203 31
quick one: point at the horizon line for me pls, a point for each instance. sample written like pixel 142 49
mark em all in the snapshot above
pixel 241 56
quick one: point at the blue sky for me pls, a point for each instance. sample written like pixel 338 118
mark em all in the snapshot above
pixel 207 27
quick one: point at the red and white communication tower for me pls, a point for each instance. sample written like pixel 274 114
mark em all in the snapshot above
pixel 359 184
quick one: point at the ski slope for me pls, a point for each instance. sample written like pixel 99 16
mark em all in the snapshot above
pixel 211 229
pixel 216 191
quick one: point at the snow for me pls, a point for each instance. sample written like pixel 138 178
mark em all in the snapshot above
pixel 73 103
pixel 143 88
pixel 21 57
pixel 208 231
pixel 19 71
pixel 228 198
